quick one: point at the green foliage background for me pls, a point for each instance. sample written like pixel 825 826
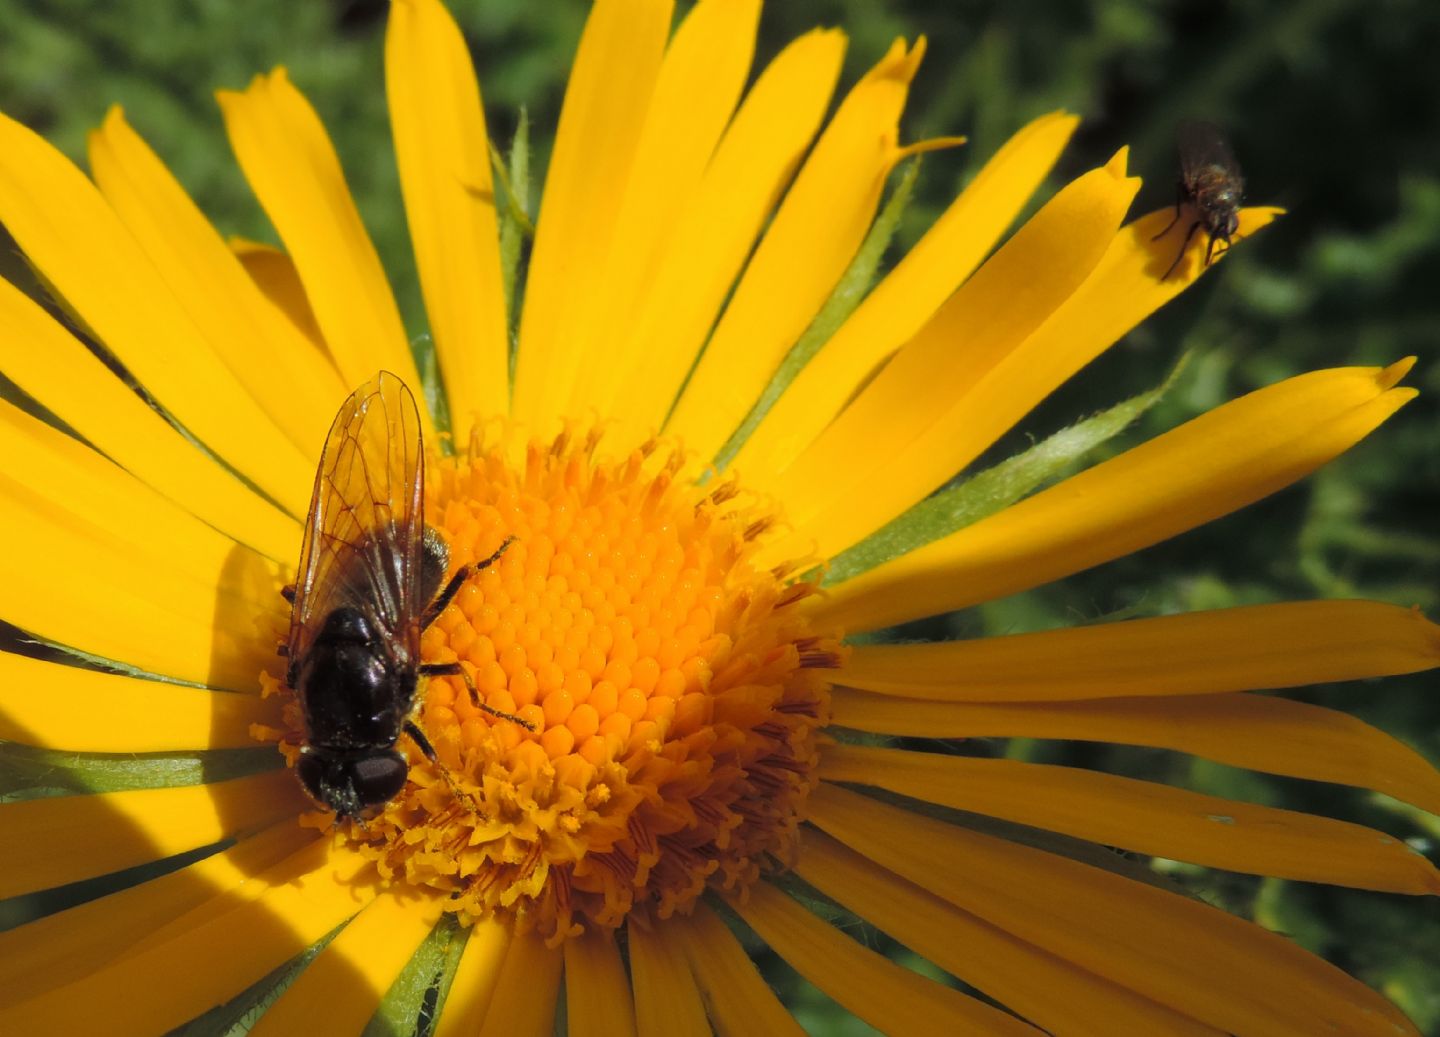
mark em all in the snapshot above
pixel 1333 108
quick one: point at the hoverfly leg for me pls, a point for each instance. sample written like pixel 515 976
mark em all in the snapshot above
pixel 1184 247
pixel 456 670
pixel 452 588
pixel 282 650
pixel 288 593
pixel 487 563
pixel 418 737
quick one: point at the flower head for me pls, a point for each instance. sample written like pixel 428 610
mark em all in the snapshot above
pixel 719 462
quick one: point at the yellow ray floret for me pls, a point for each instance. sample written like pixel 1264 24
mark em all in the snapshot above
pixel 292 167
pixel 805 250
pixel 230 948
pixel 123 301
pixel 666 998
pixel 294 382
pixel 888 996
pixel 442 148
pixel 1051 992
pixel 1237 649
pixel 476 977
pixel 1210 466
pixel 341 988
pixel 696 92
pixel 1145 817
pixel 1273 735
pixel 597 993
pixel 63 839
pixel 72 477
pixel 67 707
pixel 69 945
pixel 910 429
pixel 611 82
pixel 1162 945
pixel 526 992
pixel 715 233
pixel 738 999
pixel 901 303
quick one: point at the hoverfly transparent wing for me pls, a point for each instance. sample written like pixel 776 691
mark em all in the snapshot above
pixel 363 536
pixel 1203 148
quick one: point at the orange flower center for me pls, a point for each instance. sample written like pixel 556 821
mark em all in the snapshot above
pixel 674 690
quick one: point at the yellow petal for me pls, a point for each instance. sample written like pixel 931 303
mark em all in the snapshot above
pixel 667 1002
pixel 1056 995
pixel 293 169
pixel 294 383
pixel 74 238
pixel 699 84
pixel 63 947
pixel 525 995
pixel 1162 945
pixel 889 997
pixel 1145 817
pixel 597 995
pixel 911 428
pixel 217 959
pixel 56 370
pixel 1208 467
pixel 1273 735
pixel 717 230
pixel 76 586
pixel 738 999
pixel 86 711
pixel 443 152
pixel 475 978
pixel 339 991
pixel 900 304
pixel 611 82
pixel 63 839
pixel 72 477
pixel 1289 645
pixel 275 275
pixel 805 250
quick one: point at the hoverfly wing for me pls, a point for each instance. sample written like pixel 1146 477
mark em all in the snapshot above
pixel 1202 146
pixel 362 544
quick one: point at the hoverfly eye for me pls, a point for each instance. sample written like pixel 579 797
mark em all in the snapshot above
pixel 313 772
pixel 378 778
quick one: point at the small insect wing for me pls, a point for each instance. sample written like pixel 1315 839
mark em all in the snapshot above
pixel 1202 146
pixel 362 545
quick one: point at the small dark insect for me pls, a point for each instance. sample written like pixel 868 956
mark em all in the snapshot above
pixel 369 574
pixel 1211 184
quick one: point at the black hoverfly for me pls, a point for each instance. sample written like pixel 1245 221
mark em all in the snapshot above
pixel 368 583
pixel 1211 184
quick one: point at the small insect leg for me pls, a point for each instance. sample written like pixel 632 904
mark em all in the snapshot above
pixel 456 670
pixel 1179 204
pixel 288 593
pixel 1210 249
pixel 1183 247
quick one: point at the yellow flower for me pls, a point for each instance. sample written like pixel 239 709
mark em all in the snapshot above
pixel 663 625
